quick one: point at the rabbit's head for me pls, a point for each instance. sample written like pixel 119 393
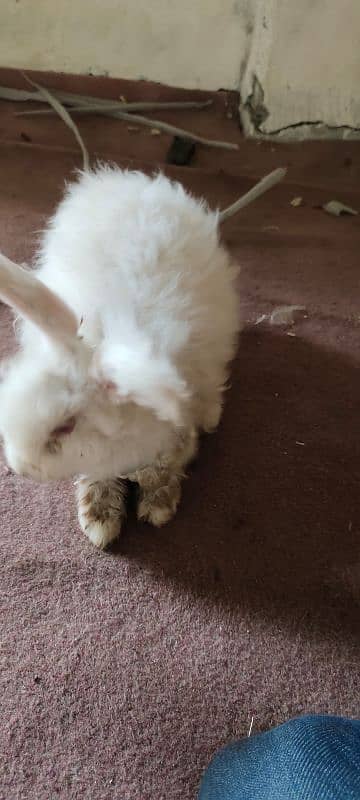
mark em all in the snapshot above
pixel 68 408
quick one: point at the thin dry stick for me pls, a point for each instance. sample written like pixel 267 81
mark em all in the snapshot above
pixel 251 726
pixel 65 116
pixel 173 131
pixel 82 100
pixel 264 185
pixel 69 98
pixel 161 126
pixel 20 95
pixel 109 107
pixel 44 94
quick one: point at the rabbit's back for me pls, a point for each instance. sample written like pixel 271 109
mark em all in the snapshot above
pixel 128 252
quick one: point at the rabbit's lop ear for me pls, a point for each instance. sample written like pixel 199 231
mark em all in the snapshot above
pixel 149 381
pixel 30 298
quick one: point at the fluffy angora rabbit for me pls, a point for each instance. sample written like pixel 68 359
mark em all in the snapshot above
pixel 128 327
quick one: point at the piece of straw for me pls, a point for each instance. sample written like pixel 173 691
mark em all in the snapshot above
pixel 85 101
pixel 173 131
pixel 65 116
pixel 262 186
pixel 109 107
pixel 152 123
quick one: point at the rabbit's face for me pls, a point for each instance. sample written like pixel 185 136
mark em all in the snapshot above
pixel 65 421
pixel 67 409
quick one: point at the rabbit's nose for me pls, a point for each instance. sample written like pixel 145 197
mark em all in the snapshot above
pixel 23 470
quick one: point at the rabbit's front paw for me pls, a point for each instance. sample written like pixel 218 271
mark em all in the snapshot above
pixel 100 534
pixel 158 507
pixel 101 509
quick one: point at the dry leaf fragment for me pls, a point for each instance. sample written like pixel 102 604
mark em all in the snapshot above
pixel 260 319
pixel 337 209
pixel 286 315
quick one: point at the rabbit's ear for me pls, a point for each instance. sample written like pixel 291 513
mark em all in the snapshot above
pixel 34 301
pixel 135 375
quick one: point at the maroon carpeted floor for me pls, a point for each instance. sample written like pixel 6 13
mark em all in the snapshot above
pixel 121 673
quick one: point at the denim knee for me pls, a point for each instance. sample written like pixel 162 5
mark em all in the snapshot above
pixel 310 757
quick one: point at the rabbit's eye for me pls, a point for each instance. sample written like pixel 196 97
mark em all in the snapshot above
pixel 65 428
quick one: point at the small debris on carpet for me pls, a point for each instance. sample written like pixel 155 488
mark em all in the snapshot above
pixel 297 201
pixel 283 316
pixel 338 209
pixel 260 319
pixel 286 315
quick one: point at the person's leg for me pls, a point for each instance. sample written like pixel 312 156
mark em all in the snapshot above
pixel 307 758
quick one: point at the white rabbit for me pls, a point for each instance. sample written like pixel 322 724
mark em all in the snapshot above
pixel 128 327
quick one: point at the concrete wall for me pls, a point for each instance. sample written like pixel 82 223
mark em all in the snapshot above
pixel 188 44
pixel 292 60
pixel 303 65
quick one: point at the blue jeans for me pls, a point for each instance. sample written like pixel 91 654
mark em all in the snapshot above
pixel 307 758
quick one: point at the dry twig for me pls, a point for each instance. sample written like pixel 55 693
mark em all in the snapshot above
pixel 65 116
pixel 86 102
pixel 110 107
pixel 262 186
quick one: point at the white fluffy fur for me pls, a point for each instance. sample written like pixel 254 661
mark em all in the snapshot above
pixel 139 262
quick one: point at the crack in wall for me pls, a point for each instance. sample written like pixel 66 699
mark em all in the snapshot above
pixel 254 112
pixel 255 104
pixel 321 127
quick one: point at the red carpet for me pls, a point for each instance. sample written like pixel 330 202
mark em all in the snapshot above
pixel 121 673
